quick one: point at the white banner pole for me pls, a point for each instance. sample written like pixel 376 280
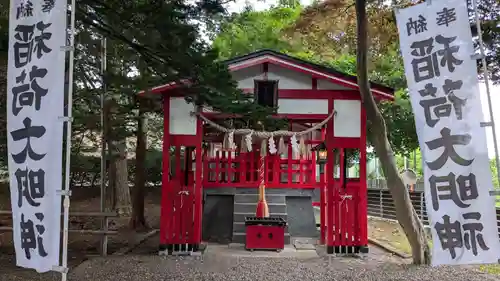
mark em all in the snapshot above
pixel 486 74
pixel 66 190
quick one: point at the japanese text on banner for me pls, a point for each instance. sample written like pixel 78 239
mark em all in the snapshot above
pixel 35 96
pixel 437 48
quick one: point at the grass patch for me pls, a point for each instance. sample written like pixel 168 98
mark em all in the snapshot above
pixel 390 233
pixel 490 268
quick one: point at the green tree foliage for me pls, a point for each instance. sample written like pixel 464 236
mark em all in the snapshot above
pixel 252 30
pixel 334 21
pixel 165 37
pixel 493 169
pixel 489 15
pixel 415 163
pixel 163 40
pixel 329 28
pixel 160 42
pixel 325 33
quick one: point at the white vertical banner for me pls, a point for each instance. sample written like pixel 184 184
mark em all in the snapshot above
pixel 437 49
pixel 35 104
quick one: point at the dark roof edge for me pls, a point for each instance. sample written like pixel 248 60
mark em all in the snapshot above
pixel 318 67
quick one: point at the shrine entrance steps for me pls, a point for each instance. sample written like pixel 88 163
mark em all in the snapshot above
pixel 225 210
pixel 245 205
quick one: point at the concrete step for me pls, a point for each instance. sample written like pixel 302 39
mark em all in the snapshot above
pixel 240 237
pixel 240 217
pixel 269 191
pixel 254 198
pixel 251 207
pixel 240 227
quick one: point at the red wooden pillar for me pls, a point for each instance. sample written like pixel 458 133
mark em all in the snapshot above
pixel 290 156
pixel 322 204
pixel 165 211
pixel 341 227
pixel 322 199
pixel 330 184
pixel 198 185
pixel 314 161
pixel 182 193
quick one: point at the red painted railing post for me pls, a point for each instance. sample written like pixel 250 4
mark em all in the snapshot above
pixel 313 168
pixel 243 166
pixel 322 210
pixel 206 172
pixel 276 169
pixel 289 165
pixel 217 167
pixel 230 166
pixel 242 170
pixel 252 166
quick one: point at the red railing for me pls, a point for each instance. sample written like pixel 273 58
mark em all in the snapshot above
pixel 226 170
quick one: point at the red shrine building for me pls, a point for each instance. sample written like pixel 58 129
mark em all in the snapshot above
pixel 208 191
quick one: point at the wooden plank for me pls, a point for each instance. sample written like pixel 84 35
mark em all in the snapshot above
pixel 78 214
pixel 80 231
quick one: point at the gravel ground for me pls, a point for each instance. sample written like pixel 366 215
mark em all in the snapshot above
pixel 375 266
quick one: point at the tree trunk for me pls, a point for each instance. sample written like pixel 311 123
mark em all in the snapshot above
pixel 138 220
pixel 405 213
pixel 111 187
pixel 122 190
pixel 118 191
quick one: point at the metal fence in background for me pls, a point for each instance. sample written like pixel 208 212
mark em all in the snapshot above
pixel 382 184
pixel 380 204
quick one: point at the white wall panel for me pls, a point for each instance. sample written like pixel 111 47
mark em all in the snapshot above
pixel 302 106
pixel 347 122
pixel 181 122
